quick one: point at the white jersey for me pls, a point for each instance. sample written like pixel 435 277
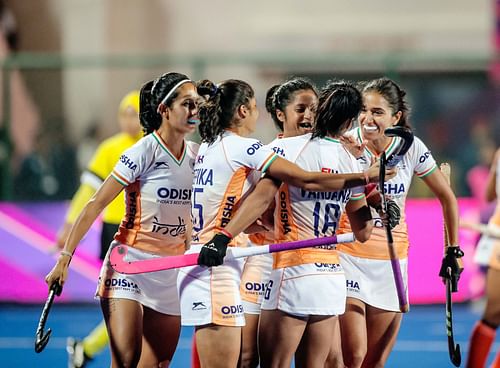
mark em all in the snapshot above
pixel 157 195
pixel 417 161
pixel 302 214
pixel 222 178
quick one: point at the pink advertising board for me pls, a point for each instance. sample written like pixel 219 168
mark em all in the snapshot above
pixel 425 223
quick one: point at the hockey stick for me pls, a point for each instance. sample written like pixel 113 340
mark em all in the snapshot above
pixel 407 138
pixel 396 268
pixel 453 350
pixel 480 228
pixel 42 338
pixel 119 264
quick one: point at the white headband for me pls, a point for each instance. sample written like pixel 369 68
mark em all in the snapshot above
pixel 171 92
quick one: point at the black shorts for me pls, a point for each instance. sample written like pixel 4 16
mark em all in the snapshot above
pixel 107 234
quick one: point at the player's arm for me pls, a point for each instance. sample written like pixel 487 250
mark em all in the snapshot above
pixel 104 195
pixel 438 185
pixel 254 205
pixel 360 218
pixel 491 193
pixel 290 173
pixel 81 197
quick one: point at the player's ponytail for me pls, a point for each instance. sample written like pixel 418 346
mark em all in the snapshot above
pixel 217 112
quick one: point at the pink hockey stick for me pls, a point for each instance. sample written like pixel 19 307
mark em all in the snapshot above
pixel 119 264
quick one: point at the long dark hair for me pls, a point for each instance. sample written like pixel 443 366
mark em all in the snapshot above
pixel 339 103
pixel 152 94
pixel 280 95
pixel 217 112
pixel 393 94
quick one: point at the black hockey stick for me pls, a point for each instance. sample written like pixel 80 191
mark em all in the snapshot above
pixel 451 286
pixel 41 337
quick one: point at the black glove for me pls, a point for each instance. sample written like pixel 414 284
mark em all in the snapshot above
pixel 452 261
pixel 213 252
pixel 392 214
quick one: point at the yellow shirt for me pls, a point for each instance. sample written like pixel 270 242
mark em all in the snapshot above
pixel 99 168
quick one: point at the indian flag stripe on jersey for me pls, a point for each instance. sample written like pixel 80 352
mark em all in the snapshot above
pixel 357 196
pixel 268 162
pixel 120 179
pixel 426 172
pixel 165 148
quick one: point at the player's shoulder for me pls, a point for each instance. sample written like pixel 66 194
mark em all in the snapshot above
pixel 192 148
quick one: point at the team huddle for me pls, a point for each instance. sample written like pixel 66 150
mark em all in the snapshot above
pixel 323 306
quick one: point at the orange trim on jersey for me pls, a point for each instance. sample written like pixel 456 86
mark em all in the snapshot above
pixel 232 197
pixel 120 178
pixel 131 223
pixel 285 229
pixel 376 247
pixel 262 238
pixel 299 257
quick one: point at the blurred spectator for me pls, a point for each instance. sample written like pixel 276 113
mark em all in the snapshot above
pixel 49 172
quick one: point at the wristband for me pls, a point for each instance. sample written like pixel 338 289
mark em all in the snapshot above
pixel 66 253
pixel 226 233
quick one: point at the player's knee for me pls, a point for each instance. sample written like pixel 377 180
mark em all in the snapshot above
pixel 355 358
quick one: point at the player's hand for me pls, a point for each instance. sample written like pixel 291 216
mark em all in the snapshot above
pixel 392 215
pixel 451 266
pixel 351 144
pixel 373 172
pixel 213 252
pixel 59 272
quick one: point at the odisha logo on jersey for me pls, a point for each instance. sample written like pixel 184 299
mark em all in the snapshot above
pixel 124 283
pixel 232 309
pixel 253 148
pixel 132 210
pixel 128 162
pixel 173 193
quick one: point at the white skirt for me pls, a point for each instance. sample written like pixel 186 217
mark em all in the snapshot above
pixel 211 294
pixel 155 290
pixel 372 281
pixel 308 289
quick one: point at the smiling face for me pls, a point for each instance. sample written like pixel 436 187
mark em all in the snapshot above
pixel 376 116
pixel 183 111
pixel 298 116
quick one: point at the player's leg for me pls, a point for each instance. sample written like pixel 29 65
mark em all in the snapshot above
pixel 316 342
pixel 249 357
pixel 160 337
pixel 124 322
pixel 484 331
pixel 354 333
pixel 279 337
pixel 382 328
pixel 218 346
pixel 335 359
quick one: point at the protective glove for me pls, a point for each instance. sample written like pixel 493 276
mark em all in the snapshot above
pixel 389 217
pixel 393 213
pixel 452 261
pixel 213 252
